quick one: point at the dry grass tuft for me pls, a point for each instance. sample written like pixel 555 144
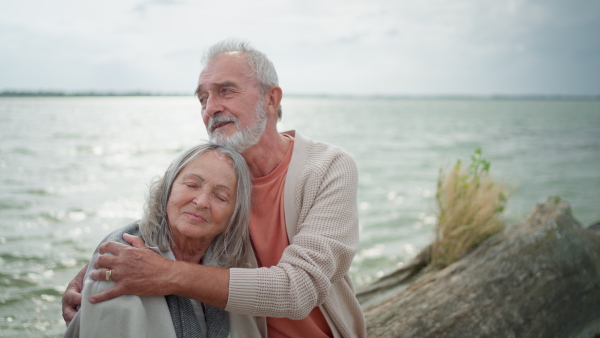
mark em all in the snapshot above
pixel 470 205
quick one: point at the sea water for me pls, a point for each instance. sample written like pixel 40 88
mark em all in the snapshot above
pixel 74 168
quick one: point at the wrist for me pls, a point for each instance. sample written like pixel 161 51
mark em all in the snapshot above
pixel 205 284
pixel 171 277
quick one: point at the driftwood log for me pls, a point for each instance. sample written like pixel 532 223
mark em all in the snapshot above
pixel 538 278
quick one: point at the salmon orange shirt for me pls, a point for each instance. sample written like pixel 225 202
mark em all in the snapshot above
pixel 269 239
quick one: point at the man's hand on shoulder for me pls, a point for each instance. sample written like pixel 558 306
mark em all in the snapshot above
pixel 135 269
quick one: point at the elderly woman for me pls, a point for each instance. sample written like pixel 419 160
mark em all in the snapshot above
pixel 196 212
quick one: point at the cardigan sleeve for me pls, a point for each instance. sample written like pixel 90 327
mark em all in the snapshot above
pixel 321 252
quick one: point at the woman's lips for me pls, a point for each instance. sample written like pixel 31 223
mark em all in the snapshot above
pixel 195 216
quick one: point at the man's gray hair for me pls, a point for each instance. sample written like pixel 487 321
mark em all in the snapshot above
pixel 266 75
pixel 228 249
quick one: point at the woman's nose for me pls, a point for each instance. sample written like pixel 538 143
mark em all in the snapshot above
pixel 202 200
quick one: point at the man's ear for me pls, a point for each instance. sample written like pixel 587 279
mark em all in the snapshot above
pixel 274 95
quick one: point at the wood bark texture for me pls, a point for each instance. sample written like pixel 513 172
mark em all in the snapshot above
pixel 538 278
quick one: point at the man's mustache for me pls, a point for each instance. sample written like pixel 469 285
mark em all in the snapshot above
pixel 218 119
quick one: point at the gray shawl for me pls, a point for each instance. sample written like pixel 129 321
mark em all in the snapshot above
pixel 182 312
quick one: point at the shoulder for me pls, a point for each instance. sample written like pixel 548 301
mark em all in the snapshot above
pixel 132 228
pixel 318 154
pixel 326 160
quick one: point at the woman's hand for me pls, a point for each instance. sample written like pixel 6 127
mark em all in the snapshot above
pixel 135 269
pixel 72 297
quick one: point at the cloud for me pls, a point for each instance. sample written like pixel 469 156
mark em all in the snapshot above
pixel 334 47
pixel 144 5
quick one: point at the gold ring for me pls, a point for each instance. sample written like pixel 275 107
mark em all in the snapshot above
pixel 108 275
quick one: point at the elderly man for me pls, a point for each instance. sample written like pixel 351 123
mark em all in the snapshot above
pixel 304 222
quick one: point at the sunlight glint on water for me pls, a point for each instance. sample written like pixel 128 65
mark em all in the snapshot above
pixel 73 169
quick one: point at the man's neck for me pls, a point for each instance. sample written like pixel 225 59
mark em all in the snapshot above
pixel 263 157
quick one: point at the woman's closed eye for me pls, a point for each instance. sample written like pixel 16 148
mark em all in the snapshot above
pixel 191 185
pixel 221 197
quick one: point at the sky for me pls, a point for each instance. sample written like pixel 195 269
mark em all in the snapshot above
pixel 324 47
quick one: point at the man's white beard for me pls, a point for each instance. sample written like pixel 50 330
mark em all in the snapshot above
pixel 244 138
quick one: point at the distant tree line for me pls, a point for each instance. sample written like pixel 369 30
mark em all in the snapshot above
pixel 50 93
pixel 46 93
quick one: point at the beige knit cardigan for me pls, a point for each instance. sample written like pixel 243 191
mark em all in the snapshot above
pixel 321 216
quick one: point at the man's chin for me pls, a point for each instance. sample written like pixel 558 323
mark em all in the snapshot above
pixel 239 141
pixel 223 140
pixel 219 138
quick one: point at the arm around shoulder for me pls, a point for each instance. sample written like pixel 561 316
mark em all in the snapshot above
pixel 320 252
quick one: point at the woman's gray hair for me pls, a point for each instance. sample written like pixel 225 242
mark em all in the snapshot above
pixel 266 75
pixel 228 249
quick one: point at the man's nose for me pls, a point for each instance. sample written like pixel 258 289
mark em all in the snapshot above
pixel 213 106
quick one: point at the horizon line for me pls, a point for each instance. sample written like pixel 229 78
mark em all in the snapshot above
pixel 51 93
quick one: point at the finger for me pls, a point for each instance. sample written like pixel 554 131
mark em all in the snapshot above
pixel 68 314
pixel 71 299
pixel 135 241
pixel 112 248
pixel 100 275
pixel 111 293
pixel 105 261
pixel 78 280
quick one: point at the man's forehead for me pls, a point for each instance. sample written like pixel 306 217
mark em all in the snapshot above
pixel 225 70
